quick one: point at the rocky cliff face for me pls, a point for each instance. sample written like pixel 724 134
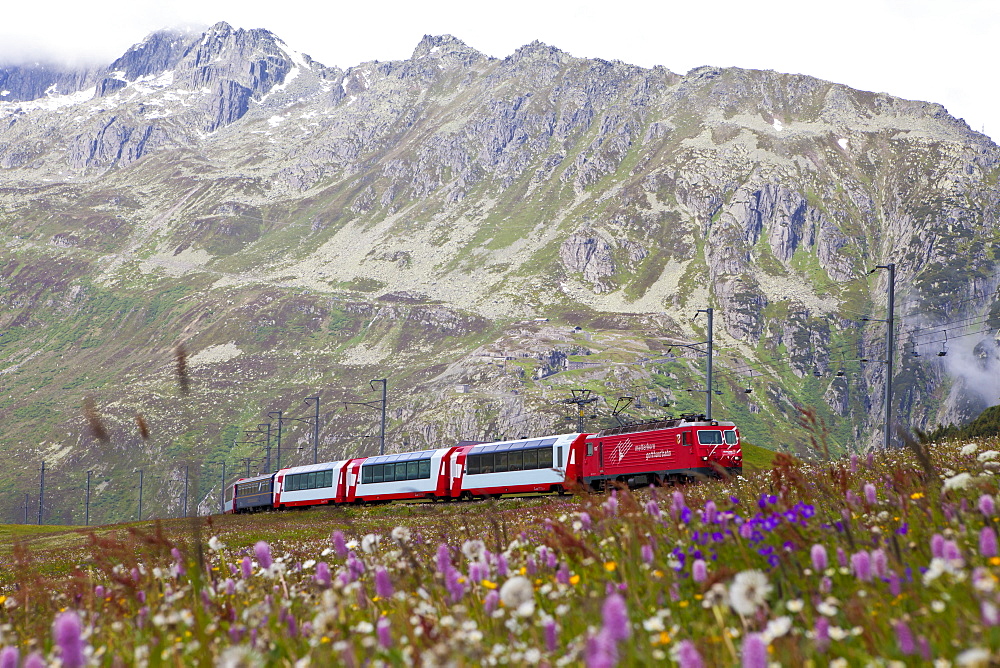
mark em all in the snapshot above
pixel 411 215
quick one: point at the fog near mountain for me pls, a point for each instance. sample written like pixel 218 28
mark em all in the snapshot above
pixel 487 233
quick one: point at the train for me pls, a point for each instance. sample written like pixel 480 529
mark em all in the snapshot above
pixel 655 452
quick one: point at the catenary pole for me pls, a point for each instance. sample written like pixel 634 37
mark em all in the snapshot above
pixel 41 492
pixel 890 348
pixel 140 495
pixel 87 511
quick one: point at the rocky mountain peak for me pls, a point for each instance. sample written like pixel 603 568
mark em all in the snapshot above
pixel 447 49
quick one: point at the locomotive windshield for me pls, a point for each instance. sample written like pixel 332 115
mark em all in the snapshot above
pixel 731 438
pixel 709 437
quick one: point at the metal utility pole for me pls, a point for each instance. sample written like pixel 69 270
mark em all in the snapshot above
pixel 272 414
pixel 25 507
pixel 381 437
pixel 87 511
pixel 708 373
pixel 41 493
pixel 890 348
pixel 140 495
pixel 186 466
pixel 222 501
pixel 267 446
pixel 581 398
pixel 315 428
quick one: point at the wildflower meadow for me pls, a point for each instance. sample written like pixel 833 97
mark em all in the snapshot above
pixel 886 559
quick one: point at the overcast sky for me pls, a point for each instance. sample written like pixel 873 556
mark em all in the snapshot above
pixel 918 49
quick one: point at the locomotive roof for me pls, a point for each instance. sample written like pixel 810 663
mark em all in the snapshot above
pixel 683 421
pixel 258 478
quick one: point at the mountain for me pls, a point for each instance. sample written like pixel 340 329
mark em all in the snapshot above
pixel 485 233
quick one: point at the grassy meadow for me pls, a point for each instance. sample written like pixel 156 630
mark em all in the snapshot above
pixel 888 559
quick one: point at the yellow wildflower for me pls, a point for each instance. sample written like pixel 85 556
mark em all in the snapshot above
pixel 574 579
pixel 917 495
pixel 488 584
pixel 610 566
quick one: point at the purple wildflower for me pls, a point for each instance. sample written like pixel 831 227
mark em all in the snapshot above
pixel 383 585
pixel 293 626
pixel 9 657
pixel 502 566
pixel 230 586
pixel 551 635
pixel 880 563
pixel 135 574
pixel 615 618
pixel 825 585
pixel 853 499
pixel 988 543
pixel 67 635
pixel 989 614
pixel 937 546
pixel 339 544
pixel 678 503
pixel 562 575
pixel 383 632
pixel 904 638
pixel 454 584
pixel 585 521
pixel 870 495
pixel 491 601
pixel 647 553
pixel 263 552
pixel 99 592
pixel 711 513
pixel 841 556
pixel 611 505
pixel 754 651
pixel 986 506
pixel 530 566
pixel 355 565
pixel 551 561
pixel 601 652
pixel 854 463
pixel 34 660
pixel 818 554
pixel 822 633
pixel 951 551
pixel 688 656
pixel 925 648
pixel 443 558
pixel 323 574
pixel 698 570
pixel 894 587
pixel 653 508
pixel 862 565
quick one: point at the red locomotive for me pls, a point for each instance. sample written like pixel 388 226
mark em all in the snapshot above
pixel 650 453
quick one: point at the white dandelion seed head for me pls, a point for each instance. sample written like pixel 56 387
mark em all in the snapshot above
pixel 749 591
pixel 370 542
pixel 958 481
pixel 517 591
pixel 976 656
pixel 474 550
pixel 969 449
pixel 401 535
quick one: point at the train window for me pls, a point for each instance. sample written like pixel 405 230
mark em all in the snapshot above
pixel 684 438
pixel 487 463
pixel 412 469
pixel 500 462
pixel 559 456
pixel 590 449
pixel 545 458
pixel 731 438
pixel 367 474
pixel 400 471
pixel 425 468
pixel 514 461
pixel 376 473
pixel 530 459
pixel 472 464
pixel 709 437
pixel 388 472
pixel 328 478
